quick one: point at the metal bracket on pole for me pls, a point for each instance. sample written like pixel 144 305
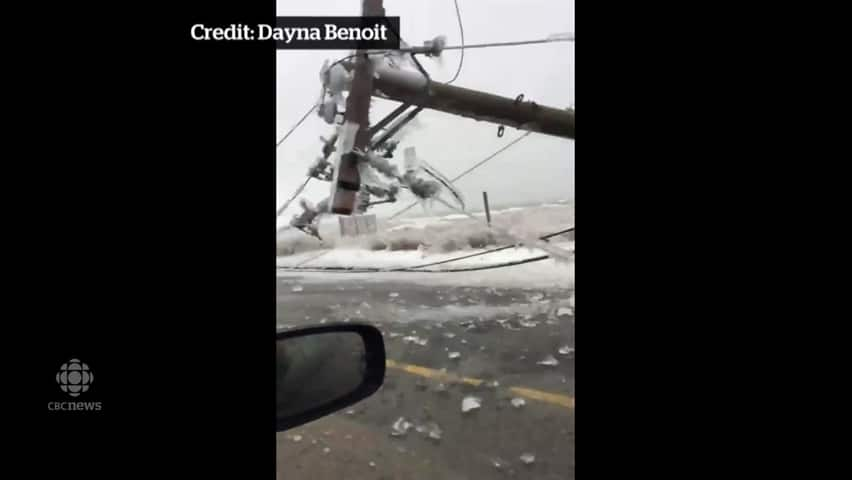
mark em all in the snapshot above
pixel 389 118
pixel 390 132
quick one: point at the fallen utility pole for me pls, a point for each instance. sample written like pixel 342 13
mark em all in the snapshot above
pixel 347 180
pixel 413 88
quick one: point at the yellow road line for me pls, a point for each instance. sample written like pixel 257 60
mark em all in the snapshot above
pixel 431 373
pixel 530 393
pixel 554 398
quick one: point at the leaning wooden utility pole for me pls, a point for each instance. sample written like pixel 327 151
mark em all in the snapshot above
pixel 413 88
pixel 347 181
pixel 477 105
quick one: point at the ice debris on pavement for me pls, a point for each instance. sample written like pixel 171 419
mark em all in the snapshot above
pixel 430 430
pixel 470 403
pixel 415 339
pixel 400 427
pixel 549 361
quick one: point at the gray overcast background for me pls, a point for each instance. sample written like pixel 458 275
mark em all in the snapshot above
pixel 539 168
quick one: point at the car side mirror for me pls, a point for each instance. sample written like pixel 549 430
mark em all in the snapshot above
pixel 322 369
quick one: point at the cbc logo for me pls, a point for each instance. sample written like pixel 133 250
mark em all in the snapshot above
pixel 74 377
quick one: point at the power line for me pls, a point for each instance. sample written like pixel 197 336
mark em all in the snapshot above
pixel 293 197
pixel 498 249
pixel 553 251
pixel 446 270
pixel 296 125
pixel 461 32
pixel 474 167
pixel 416 268
pixel 552 39
pixel 299 265
pixel 511 44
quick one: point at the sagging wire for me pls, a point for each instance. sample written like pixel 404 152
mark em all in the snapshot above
pixel 474 167
pixel 461 33
pixel 416 268
pixel 314 107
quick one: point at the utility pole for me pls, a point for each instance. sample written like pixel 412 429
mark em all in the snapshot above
pixel 410 87
pixel 487 210
pixel 347 181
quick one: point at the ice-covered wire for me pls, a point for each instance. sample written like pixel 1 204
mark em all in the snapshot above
pixel 314 107
pixel 446 270
pixel 486 252
pixel 461 32
pixel 474 167
pixel 293 197
pixel 416 268
pixel 556 252
pixel 550 39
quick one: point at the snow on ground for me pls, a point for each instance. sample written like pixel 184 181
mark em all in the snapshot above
pixel 544 273
pixel 440 238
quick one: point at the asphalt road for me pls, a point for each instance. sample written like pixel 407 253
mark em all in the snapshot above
pixel 512 344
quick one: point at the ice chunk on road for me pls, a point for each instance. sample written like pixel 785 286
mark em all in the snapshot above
pixel 450 335
pixel 393 294
pixel 549 361
pixel 471 403
pixel 435 431
pixel 430 429
pixel 326 450
pixel 518 402
pixel 415 339
pixel 528 324
pixel 372 464
pixel 527 458
pixel 454 355
pixel 566 350
pixel 297 438
pixel 400 427
pixel 499 463
pixel 564 311
pixel 297 288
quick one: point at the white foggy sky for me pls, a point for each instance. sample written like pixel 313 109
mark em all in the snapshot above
pixel 539 168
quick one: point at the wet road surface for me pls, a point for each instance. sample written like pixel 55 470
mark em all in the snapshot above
pixel 509 349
